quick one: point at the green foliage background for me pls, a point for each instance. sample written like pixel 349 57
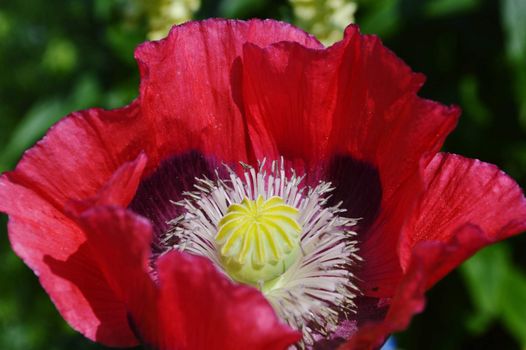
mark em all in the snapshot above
pixel 57 56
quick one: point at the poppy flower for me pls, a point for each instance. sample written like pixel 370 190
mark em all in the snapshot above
pixel 261 192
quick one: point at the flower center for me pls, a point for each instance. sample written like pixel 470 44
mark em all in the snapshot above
pixel 269 230
pixel 258 239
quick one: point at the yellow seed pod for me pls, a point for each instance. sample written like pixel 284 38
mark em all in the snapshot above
pixel 258 239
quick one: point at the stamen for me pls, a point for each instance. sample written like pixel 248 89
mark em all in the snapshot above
pixel 271 231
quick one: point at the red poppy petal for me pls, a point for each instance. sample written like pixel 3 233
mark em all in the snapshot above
pixel 354 99
pixel 122 186
pixel 120 244
pixel 200 308
pixel 195 306
pixel 190 83
pixel 80 153
pixel 289 93
pixel 119 190
pixel 426 260
pixel 386 124
pixel 53 246
pixel 468 204
pixel 461 192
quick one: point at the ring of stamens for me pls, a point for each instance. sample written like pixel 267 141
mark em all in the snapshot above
pixel 303 269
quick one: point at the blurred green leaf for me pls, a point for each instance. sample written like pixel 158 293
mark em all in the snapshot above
pixel 121 95
pixel 240 8
pixel 39 118
pixel 5 25
pixel 382 19
pixel 498 291
pixel 513 16
pixel 44 114
pixel 516 163
pixel 471 101
pixel 449 7
pixel 123 39
pixel 103 8
pixel 87 93
pixel 514 304
pixel 484 275
pixel 514 22
pixel 60 56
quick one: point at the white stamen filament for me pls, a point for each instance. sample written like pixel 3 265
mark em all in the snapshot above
pixel 318 287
